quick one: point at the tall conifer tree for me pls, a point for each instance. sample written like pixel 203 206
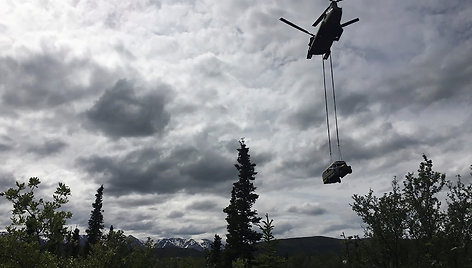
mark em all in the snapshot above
pixel 215 257
pixel 241 238
pixel 95 223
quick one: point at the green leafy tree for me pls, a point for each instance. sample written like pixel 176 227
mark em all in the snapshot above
pixel 95 223
pixel 409 228
pixel 425 220
pixel 385 225
pixel 458 226
pixel 17 253
pixel 241 238
pixel 35 219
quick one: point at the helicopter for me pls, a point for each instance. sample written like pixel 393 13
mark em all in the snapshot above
pixel 330 30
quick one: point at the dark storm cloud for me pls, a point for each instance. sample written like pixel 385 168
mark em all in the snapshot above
pixel 391 141
pixel 432 84
pixel 205 205
pixel 175 214
pixel 120 112
pixel 4 147
pixel 139 200
pixel 6 181
pixel 306 116
pixel 45 80
pixel 48 147
pixel 281 229
pixel 154 171
pixel 415 86
pixel 261 158
pixel 137 226
pixel 341 227
pixel 187 230
pixel 353 103
pixel 308 209
pixel 442 73
pixel 306 163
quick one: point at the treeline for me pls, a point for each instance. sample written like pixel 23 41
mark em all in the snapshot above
pixel 38 236
pixel 410 227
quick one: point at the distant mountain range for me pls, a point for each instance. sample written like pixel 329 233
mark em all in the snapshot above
pixel 180 247
pixel 166 243
pixel 199 245
pixel 316 245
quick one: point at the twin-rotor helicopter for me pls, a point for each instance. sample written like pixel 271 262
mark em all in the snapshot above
pixel 330 30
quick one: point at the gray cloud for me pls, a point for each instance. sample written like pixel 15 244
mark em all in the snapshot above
pixel 4 147
pixel 139 200
pixel 153 171
pixel 306 116
pixel 46 80
pixel 6 181
pixel 175 214
pixel 341 227
pixel 120 112
pixel 281 229
pixel 48 147
pixel 308 209
pixel 137 226
pixel 205 205
pixel 186 230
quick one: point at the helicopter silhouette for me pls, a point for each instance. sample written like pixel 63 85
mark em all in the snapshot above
pixel 330 30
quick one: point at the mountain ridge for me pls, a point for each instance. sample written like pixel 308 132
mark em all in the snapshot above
pixel 311 245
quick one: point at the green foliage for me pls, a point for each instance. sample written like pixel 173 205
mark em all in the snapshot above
pixel 385 220
pixel 241 239
pixel 34 219
pixel 408 227
pixel 16 253
pixel 458 225
pixel 240 263
pixel 424 217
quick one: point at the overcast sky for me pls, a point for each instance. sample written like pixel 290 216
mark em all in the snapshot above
pixel 150 98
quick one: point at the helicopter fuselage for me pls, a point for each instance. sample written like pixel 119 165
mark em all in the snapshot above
pixel 330 30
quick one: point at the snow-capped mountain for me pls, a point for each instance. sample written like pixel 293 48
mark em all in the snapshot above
pixel 199 245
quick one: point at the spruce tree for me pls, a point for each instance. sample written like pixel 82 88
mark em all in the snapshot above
pixel 215 256
pixel 75 243
pixel 95 223
pixel 241 238
pixel 268 256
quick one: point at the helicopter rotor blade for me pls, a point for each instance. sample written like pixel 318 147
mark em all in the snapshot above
pixel 296 26
pixel 318 20
pixel 349 22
